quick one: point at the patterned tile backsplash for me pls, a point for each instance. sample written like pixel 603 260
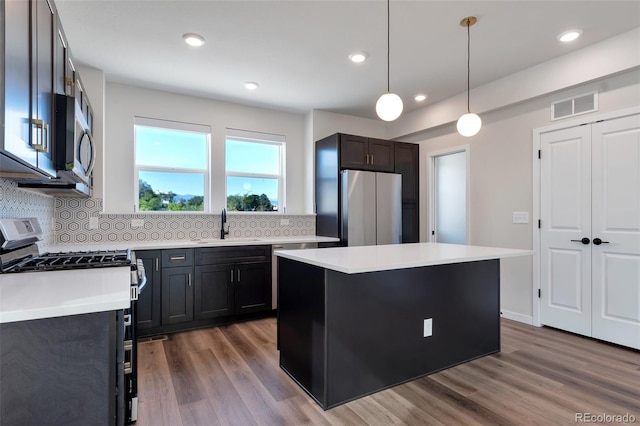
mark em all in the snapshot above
pixel 15 202
pixel 72 225
pixel 67 221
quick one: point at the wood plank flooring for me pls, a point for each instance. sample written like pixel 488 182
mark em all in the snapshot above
pixel 229 375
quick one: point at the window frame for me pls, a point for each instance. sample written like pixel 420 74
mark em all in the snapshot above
pixel 206 173
pixel 258 138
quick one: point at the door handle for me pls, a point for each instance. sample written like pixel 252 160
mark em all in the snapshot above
pixel 585 240
pixel 238 275
pixel 189 279
pixel 367 158
pixel 371 156
pixel 157 264
pixel 231 273
pixel 598 241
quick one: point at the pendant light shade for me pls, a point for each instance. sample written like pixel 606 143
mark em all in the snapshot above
pixel 389 106
pixel 469 124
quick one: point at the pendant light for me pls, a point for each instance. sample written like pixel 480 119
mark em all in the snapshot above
pixel 389 105
pixel 469 124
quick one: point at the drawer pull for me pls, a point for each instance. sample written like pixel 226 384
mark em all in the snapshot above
pixel 176 258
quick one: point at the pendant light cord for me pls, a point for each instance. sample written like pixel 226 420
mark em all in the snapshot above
pixel 388 44
pixel 468 62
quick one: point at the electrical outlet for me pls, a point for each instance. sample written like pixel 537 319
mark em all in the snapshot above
pixel 284 222
pixel 520 217
pixel 93 222
pixel 428 327
pixel 137 223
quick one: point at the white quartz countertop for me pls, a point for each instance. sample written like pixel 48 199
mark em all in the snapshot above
pixel 212 242
pixel 353 260
pixel 35 295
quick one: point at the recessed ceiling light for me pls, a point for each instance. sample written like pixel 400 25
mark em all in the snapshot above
pixel 358 57
pixel 251 85
pixel 420 97
pixel 570 35
pixel 193 39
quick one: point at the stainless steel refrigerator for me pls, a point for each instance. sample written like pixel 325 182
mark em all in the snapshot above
pixel 371 208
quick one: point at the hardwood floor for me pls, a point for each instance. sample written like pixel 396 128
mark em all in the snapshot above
pixel 229 375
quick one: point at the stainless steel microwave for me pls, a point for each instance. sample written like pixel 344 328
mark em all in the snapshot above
pixel 74 153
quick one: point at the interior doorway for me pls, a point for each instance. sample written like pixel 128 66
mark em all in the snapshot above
pixel 449 196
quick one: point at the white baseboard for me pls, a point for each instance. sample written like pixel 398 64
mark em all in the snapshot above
pixel 527 319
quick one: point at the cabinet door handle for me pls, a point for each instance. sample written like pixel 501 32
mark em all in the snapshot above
pixel 371 156
pixel 189 279
pixel 231 273
pixel 367 159
pixel 238 275
pixel 43 129
pixel 157 264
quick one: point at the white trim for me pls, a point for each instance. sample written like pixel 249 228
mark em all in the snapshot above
pixel 537 132
pixel 431 187
pixel 170 124
pixel 526 319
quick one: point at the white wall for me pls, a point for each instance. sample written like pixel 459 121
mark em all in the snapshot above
pixel 123 103
pixel 501 168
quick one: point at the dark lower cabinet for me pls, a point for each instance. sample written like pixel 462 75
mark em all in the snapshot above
pixel 213 291
pixel 63 371
pixel 252 289
pixel 148 314
pixel 222 290
pixel 177 295
pixel 190 288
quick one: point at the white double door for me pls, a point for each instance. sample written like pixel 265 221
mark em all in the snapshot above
pixel 590 236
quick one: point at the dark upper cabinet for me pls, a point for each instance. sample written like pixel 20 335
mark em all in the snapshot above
pixel 358 152
pixel 406 163
pixel 42 30
pixel 148 313
pixel 63 71
pixel 17 82
pixel 36 65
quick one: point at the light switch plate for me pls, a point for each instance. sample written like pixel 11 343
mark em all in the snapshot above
pixel 137 223
pixel 520 217
pixel 93 222
pixel 428 327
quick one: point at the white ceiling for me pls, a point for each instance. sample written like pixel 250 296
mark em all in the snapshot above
pixel 298 50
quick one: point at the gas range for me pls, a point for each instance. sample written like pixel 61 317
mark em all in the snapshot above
pixel 68 260
pixel 71 280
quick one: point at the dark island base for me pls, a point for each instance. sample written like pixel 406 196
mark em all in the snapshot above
pixel 344 336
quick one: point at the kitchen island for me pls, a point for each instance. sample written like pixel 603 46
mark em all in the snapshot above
pixel 356 320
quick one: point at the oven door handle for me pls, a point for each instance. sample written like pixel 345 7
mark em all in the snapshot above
pixel 142 283
pixel 92 145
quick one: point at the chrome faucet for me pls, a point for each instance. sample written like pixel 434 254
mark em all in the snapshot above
pixel 223 219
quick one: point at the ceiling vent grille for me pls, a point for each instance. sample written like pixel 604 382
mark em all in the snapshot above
pixel 577 105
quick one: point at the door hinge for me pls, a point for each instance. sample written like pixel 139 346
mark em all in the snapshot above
pixel 539 224
pixel 539 293
pixel 539 153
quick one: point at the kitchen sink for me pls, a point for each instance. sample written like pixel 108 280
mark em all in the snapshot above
pixel 226 240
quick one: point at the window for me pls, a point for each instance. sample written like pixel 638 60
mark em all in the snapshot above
pixel 254 171
pixel 171 166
